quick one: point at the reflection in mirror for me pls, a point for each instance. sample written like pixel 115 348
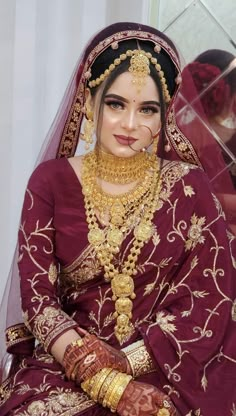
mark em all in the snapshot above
pixel 206 114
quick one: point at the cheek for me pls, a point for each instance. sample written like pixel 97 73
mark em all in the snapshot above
pixel 154 123
pixel 109 120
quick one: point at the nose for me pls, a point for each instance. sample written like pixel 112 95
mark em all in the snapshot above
pixel 129 120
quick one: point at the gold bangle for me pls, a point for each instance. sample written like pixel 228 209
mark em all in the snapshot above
pixel 163 412
pixel 100 377
pixel 117 392
pixel 88 384
pixel 105 385
pixel 109 390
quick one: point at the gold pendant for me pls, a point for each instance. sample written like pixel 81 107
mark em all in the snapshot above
pixel 96 236
pixel 114 237
pixel 123 305
pixel 143 231
pixel 117 213
pixel 124 328
pixel 122 286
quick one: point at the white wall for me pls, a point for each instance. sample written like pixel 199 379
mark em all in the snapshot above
pixel 40 41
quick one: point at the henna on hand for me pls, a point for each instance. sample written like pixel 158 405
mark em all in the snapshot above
pixel 100 355
pixel 83 359
pixel 141 399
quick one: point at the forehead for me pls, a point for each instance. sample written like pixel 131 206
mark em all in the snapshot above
pixel 124 86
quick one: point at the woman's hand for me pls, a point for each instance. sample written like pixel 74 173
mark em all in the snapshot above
pixel 99 355
pixel 141 399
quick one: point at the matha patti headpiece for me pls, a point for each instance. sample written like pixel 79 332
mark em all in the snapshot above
pixel 139 66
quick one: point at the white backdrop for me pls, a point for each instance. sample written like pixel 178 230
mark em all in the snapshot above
pixel 40 41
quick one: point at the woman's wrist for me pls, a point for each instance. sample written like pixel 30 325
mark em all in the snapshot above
pixel 107 387
pixel 72 357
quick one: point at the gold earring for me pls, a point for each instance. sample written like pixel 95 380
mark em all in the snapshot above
pixel 87 135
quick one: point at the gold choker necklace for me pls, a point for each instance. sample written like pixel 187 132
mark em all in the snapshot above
pixel 120 170
pixel 107 241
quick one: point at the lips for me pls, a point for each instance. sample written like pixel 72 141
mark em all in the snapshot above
pixel 125 140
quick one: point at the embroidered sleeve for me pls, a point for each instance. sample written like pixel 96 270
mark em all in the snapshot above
pixel 38 265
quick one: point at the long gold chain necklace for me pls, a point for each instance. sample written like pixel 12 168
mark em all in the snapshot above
pixel 107 242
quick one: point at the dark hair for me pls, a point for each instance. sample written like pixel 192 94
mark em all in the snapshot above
pixel 221 59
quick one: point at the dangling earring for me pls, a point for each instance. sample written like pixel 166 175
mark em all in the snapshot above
pixel 167 147
pixel 87 135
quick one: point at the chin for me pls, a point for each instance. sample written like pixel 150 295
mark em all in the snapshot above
pixel 124 152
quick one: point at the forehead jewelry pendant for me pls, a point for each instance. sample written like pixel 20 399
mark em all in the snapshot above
pixel 139 67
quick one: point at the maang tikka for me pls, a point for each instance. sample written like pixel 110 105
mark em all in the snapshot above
pixel 87 134
pixel 139 67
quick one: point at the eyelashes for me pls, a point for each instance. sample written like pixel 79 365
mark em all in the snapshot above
pixel 119 105
pixel 114 104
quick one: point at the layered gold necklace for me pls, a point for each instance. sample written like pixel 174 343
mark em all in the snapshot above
pixel 130 210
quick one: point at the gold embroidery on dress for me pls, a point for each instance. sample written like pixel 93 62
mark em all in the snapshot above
pixel 181 144
pixel 44 323
pixel 50 323
pixel 16 334
pixel 52 273
pixel 85 267
pixel 5 391
pixel 195 232
pixel 63 402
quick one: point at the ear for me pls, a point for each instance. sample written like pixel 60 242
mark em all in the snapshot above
pixel 89 99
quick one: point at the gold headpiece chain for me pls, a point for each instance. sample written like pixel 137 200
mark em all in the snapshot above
pixel 139 67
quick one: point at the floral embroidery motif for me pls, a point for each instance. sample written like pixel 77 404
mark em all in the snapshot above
pixel 195 232
pixel 188 191
pixel 165 322
pixel 52 273
pixel 48 322
pixel 59 402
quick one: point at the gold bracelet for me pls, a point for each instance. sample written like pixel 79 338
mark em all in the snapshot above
pixel 100 377
pixel 88 384
pixel 139 359
pixel 109 390
pixel 117 392
pixel 105 385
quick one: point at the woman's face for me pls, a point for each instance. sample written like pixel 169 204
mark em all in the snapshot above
pixel 130 116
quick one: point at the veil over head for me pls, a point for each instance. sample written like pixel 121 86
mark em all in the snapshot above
pixel 63 137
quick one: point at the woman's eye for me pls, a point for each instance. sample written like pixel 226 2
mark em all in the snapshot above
pixel 149 110
pixel 115 105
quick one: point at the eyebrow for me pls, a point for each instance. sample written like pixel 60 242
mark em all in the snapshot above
pixel 118 97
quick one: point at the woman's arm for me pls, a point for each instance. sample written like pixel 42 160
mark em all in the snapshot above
pixel 39 268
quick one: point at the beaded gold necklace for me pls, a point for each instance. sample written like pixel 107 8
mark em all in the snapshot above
pixel 107 241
